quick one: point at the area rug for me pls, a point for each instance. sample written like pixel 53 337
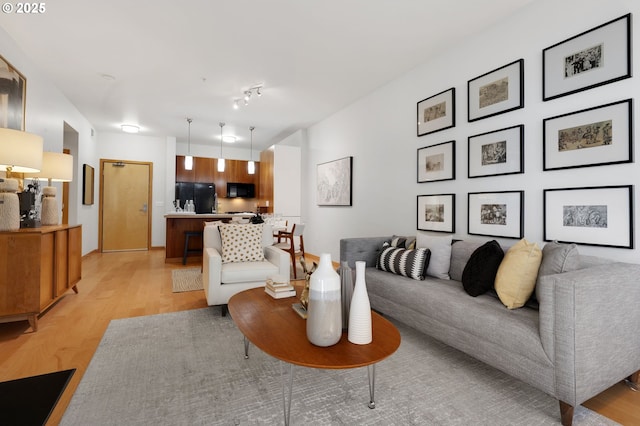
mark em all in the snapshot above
pixel 188 368
pixel 30 400
pixel 186 280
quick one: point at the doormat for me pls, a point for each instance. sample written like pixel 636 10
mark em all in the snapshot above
pixel 186 280
pixel 30 400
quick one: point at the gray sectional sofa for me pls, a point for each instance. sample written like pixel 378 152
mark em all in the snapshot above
pixel 582 338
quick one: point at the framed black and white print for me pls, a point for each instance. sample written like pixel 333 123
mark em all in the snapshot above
pixel 500 152
pixel 496 214
pixel 590 137
pixel 437 112
pixel 593 58
pixel 14 95
pixel 333 182
pixel 496 92
pixel 598 216
pixel 437 162
pixel 437 213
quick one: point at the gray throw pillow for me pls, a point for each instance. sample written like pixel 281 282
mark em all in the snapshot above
pixel 558 258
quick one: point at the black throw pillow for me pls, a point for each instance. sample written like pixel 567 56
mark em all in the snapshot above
pixel 480 271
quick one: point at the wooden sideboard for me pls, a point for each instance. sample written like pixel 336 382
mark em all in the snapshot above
pixel 37 266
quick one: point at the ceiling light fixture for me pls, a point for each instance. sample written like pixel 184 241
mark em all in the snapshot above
pixel 188 160
pixel 220 159
pixel 228 139
pixel 130 128
pixel 251 165
pixel 246 95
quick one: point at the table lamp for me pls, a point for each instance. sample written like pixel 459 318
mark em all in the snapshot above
pixel 20 152
pixel 57 167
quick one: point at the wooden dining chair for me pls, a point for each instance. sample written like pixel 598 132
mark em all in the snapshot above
pixel 293 243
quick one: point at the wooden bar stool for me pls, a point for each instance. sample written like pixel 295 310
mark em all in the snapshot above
pixel 187 235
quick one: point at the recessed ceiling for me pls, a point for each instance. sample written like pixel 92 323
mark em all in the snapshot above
pixel 154 63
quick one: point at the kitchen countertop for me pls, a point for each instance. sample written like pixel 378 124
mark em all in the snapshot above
pixel 188 215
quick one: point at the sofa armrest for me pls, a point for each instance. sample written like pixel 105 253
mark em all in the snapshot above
pixel 211 271
pixel 365 248
pixel 280 258
pixel 588 327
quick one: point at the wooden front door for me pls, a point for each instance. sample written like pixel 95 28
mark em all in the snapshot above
pixel 125 193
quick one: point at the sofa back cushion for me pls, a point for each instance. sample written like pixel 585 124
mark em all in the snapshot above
pixel 440 248
pixel 517 274
pixel 479 274
pixel 461 252
pixel 405 262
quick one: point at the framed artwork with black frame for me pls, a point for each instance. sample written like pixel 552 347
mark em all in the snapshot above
pixel 590 59
pixel 14 89
pixel 500 152
pixel 496 92
pixel 590 137
pixel 596 216
pixel 496 214
pixel 437 112
pixel 87 184
pixel 436 213
pixel 437 162
pixel 334 181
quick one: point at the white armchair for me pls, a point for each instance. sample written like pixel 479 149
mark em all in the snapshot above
pixel 223 280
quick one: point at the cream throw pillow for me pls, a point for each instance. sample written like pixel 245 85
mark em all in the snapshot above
pixel 517 274
pixel 241 243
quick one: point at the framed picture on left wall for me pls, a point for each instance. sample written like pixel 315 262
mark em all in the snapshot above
pixel 13 95
pixel 333 182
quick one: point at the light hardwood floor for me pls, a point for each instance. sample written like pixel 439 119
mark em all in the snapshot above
pixel 122 285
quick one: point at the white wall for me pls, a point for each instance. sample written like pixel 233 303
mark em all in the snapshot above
pixel 379 131
pixel 47 109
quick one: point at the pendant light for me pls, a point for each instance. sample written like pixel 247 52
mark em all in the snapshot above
pixel 251 165
pixel 188 160
pixel 220 159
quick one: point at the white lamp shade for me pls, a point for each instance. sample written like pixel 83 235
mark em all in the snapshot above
pixel 56 166
pixel 188 162
pixel 251 167
pixel 20 151
pixel 221 164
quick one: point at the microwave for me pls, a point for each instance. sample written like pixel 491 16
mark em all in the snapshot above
pixel 241 190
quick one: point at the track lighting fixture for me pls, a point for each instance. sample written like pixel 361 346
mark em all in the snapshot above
pixel 246 95
pixel 251 165
pixel 188 160
pixel 220 159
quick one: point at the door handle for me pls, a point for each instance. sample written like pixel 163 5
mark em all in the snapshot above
pixel 144 208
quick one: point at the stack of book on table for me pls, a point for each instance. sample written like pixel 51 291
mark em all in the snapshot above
pixel 279 287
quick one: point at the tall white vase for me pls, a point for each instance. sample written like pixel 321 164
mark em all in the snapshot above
pixel 324 312
pixel 360 331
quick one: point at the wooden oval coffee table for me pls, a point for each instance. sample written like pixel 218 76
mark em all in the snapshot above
pixel 275 328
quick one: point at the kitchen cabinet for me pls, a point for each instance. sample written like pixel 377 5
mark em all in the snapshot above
pixel 37 267
pixel 206 170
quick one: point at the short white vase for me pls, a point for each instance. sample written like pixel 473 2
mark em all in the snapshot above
pixel 324 312
pixel 360 332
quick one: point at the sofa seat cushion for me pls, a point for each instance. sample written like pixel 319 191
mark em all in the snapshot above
pixel 247 272
pixel 446 302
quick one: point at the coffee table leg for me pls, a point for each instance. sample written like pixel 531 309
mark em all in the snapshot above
pixel 286 404
pixel 246 347
pixel 371 372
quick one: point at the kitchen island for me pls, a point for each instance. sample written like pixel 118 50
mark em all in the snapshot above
pixel 179 223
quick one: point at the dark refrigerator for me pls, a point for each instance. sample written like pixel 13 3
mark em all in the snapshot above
pixel 202 194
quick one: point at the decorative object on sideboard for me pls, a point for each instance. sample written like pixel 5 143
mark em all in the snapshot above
pixel 9 205
pixel 346 287
pixel 360 331
pixel 324 312
pixel 56 167
pixel 220 159
pixel 87 184
pixel 188 159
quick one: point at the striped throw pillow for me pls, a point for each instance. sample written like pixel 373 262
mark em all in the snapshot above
pixel 409 263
